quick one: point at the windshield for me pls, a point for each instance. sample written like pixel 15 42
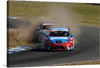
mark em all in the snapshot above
pixel 46 27
pixel 59 33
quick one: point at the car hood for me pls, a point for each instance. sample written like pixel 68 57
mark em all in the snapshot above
pixel 62 39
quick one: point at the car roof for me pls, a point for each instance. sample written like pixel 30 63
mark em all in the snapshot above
pixel 59 29
pixel 47 23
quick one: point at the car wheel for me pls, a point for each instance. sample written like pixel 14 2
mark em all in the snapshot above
pixel 73 44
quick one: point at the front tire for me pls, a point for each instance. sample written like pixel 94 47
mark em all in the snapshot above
pixel 73 44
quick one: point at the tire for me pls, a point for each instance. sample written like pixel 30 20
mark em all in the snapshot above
pixel 73 44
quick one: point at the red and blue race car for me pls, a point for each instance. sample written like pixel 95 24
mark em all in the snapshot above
pixel 59 39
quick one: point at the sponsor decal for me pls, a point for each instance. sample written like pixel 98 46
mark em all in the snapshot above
pixel 52 38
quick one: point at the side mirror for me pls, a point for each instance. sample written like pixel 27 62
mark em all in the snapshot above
pixel 72 35
pixel 38 28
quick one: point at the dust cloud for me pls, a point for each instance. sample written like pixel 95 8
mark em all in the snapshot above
pixel 61 17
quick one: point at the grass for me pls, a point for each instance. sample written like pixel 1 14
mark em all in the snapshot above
pixel 89 13
pixel 82 63
pixel 27 10
pixel 12 39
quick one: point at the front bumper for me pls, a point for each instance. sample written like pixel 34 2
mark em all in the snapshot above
pixel 63 46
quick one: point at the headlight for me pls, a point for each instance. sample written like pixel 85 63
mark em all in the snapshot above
pixel 68 41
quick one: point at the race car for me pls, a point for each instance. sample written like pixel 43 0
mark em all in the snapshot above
pixel 59 39
pixel 43 28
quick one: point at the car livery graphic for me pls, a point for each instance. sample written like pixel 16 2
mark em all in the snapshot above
pixel 59 39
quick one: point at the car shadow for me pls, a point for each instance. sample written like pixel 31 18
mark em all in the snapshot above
pixel 42 50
